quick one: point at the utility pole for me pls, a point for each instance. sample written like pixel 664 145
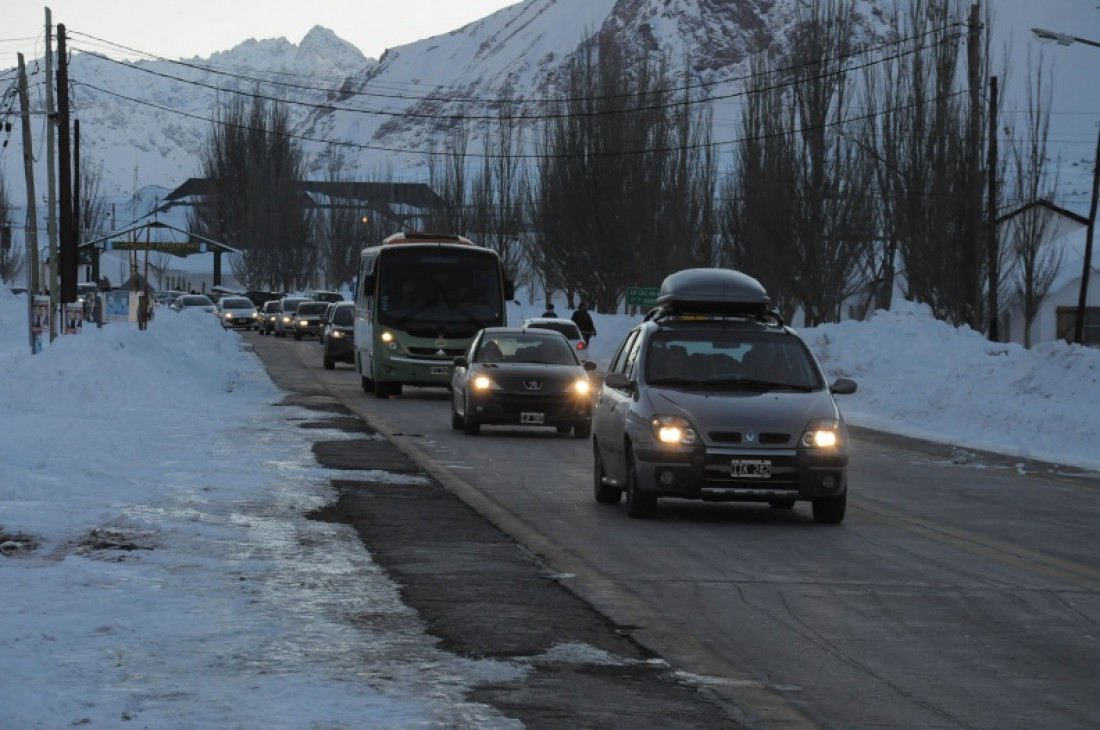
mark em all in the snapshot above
pixel 77 237
pixel 31 236
pixel 972 242
pixel 992 242
pixel 1082 298
pixel 67 266
pixel 51 181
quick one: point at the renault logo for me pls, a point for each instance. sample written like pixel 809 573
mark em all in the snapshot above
pixel 532 384
pixel 750 436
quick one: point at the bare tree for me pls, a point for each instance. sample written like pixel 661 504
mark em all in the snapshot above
pixel 1037 260
pixel 12 260
pixel 256 203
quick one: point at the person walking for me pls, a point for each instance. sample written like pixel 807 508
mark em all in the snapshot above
pixel 583 321
pixel 549 310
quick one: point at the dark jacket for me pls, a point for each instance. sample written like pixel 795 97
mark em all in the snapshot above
pixel 584 322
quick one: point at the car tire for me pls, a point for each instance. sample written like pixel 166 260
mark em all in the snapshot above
pixel 297 335
pixel 457 421
pixel 604 493
pixel 639 505
pixel 582 430
pixel 470 426
pixel 382 390
pixel 563 428
pixel 830 510
pixel 781 503
pixel 329 364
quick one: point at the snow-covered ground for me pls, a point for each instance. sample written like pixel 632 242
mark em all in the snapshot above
pixel 216 603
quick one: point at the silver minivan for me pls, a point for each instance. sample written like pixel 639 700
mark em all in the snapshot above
pixel 713 398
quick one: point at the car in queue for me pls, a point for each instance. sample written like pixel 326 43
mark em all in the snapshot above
pixel 269 313
pixel 237 312
pixel 521 376
pixel 338 335
pixel 308 319
pixel 329 297
pixel 713 398
pixel 567 327
pixel 284 321
pixel 193 303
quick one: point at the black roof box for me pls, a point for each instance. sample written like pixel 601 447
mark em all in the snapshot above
pixel 719 291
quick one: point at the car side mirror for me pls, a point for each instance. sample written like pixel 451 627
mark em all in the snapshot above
pixel 617 380
pixel 589 365
pixel 843 386
pixel 460 361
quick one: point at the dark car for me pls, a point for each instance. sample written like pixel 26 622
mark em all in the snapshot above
pixel 308 319
pixel 284 322
pixel 524 377
pixel 338 335
pixel 713 398
pixel 193 302
pixel 269 313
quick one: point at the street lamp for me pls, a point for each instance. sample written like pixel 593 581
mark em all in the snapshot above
pixel 1063 39
pixel 1066 39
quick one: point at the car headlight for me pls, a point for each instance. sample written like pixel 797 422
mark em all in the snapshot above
pixel 288 320
pixel 484 382
pixel 581 386
pixel 229 315
pixel 673 430
pixel 823 433
pixel 338 335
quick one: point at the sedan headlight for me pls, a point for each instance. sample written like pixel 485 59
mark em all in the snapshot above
pixel 581 387
pixel 337 335
pixel 823 433
pixel 229 315
pixel 673 430
pixel 288 320
pixel 484 382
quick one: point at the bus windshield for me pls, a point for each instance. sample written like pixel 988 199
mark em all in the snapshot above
pixel 448 290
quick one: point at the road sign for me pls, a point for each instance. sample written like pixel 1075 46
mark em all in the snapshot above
pixel 642 296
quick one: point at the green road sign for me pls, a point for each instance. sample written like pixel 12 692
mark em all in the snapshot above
pixel 642 296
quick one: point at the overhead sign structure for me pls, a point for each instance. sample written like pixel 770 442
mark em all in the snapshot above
pixel 179 248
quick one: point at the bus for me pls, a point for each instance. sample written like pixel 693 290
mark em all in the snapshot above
pixel 419 300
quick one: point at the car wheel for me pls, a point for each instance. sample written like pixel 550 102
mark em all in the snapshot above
pixel 604 493
pixel 382 390
pixel 470 426
pixel 582 430
pixel 329 364
pixel 564 428
pixel 830 510
pixel 639 505
pixel 781 503
pixel 297 335
pixel 457 421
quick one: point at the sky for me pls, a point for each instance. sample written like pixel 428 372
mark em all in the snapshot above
pixel 117 436
pixel 201 27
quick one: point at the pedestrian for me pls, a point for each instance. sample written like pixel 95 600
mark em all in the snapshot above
pixel 549 310
pixel 583 321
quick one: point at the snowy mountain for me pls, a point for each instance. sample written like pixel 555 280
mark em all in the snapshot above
pixel 144 123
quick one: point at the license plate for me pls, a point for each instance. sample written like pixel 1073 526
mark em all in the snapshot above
pixel 535 418
pixel 440 370
pixel 751 468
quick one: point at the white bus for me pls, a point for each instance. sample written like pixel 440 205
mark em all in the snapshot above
pixel 419 300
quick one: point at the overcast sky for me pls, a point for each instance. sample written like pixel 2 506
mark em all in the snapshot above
pixel 201 27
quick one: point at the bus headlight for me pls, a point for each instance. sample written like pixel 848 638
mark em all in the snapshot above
pixel 388 340
pixel 673 430
pixel 823 433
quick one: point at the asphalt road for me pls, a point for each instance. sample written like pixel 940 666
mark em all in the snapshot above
pixel 960 592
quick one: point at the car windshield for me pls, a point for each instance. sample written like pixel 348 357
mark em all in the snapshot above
pixel 526 349
pixel 732 359
pixel 312 308
pixel 195 300
pixel 241 303
pixel 289 305
pixel 569 329
pixel 342 315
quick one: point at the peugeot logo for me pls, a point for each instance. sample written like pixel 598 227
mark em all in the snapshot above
pixel 750 436
pixel 532 384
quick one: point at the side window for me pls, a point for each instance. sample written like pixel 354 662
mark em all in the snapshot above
pixel 617 362
pixel 631 363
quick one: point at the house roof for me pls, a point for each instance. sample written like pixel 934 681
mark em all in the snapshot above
pixel 1076 218
pixel 417 195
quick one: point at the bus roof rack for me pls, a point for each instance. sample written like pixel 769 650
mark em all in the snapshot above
pixel 713 292
pixel 422 237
